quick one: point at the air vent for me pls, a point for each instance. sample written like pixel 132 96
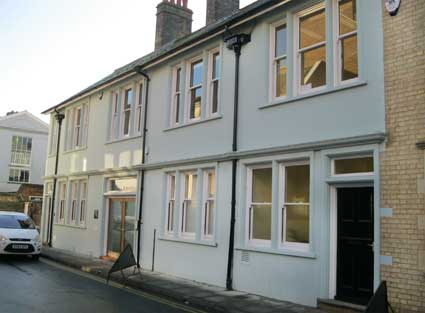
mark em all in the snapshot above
pixel 245 257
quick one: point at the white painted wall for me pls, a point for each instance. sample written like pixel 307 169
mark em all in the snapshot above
pixel 22 124
pixel 335 115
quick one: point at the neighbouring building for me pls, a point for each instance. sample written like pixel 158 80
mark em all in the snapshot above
pixel 22 160
pixel 402 159
pixel 279 191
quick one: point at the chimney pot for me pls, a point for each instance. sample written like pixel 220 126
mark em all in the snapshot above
pixel 173 21
pixel 218 9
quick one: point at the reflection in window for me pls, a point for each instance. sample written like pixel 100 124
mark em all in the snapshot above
pixel 196 76
pixel 312 50
pixel 260 208
pixel 189 203
pixel 347 16
pixel 296 215
pixel 353 166
pixel 279 63
pixel 209 206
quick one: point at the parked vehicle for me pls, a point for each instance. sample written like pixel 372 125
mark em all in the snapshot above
pixel 19 235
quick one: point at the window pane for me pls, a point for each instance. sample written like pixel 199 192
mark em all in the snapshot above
pixel 126 122
pixel 262 185
pixel 350 65
pixel 197 73
pixel 347 16
pixel 211 184
pixel 351 166
pixel 297 223
pixel 313 68
pixel 195 104
pixel 177 108
pixel 280 38
pixel 128 98
pixel 281 78
pixel 140 94
pixel 123 185
pixel 210 222
pixel 312 29
pixel 297 183
pixel 190 216
pixel 172 186
pixel 261 221
pixel 178 77
pixel 216 66
pixel 215 97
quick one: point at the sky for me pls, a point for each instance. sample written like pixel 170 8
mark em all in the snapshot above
pixel 52 49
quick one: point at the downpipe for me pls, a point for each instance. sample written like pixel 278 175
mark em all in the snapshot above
pixel 59 118
pixel 140 71
pixel 235 43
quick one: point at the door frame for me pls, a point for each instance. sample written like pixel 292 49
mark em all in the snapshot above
pixel 106 231
pixel 333 245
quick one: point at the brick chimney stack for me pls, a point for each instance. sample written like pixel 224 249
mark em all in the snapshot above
pixel 218 9
pixel 173 21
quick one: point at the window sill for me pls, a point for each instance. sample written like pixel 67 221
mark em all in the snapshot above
pixel 109 142
pixel 288 252
pixel 190 241
pixel 75 150
pixel 216 117
pixel 314 94
pixel 71 226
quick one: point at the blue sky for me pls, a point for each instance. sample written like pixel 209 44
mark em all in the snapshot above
pixel 51 49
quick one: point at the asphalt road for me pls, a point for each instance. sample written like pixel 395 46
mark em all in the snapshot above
pixel 36 286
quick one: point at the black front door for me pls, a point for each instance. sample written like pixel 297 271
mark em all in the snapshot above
pixel 355 245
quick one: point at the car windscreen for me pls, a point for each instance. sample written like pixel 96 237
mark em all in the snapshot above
pixel 16 222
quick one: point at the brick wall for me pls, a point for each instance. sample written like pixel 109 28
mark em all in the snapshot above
pixel 402 163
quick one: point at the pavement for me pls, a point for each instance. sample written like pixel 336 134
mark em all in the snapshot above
pixel 196 295
pixel 45 287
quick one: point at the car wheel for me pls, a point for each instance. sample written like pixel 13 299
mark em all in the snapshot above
pixel 35 257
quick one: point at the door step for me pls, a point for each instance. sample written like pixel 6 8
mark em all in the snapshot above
pixel 336 306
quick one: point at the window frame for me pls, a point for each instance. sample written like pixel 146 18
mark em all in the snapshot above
pixel 77 127
pixel 115 115
pixel 82 213
pixel 54 129
pixel 140 93
pixel 249 211
pixel 183 226
pixel 283 244
pixel 195 60
pixel 74 201
pixel 337 41
pixel 176 93
pixel 124 110
pixel 170 223
pixel 211 80
pixel 20 150
pixel 62 202
pixel 274 59
pixel 298 51
pixel 20 169
pixel 205 201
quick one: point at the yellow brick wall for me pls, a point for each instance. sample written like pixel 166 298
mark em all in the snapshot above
pixel 402 163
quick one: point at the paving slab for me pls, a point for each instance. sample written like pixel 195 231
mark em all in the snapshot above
pixel 198 295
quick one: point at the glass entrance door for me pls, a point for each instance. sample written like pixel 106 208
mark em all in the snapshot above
pixel 122 225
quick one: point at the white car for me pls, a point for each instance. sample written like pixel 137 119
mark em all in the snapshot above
pixel 19 235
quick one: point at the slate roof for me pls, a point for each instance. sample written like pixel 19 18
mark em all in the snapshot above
pixel 173 46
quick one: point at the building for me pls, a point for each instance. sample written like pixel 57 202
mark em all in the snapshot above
pixel 275 189
pixel 402 160
pixel 22 160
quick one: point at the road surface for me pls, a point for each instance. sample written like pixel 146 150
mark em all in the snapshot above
pixel 28 286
